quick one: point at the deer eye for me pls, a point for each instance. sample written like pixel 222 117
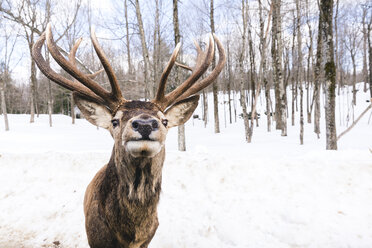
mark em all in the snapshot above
pixel 165 122
pixel 115 123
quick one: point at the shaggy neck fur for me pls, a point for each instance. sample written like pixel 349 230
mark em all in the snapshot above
pixel 139 178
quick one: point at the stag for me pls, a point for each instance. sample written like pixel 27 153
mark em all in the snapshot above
pixel 120 203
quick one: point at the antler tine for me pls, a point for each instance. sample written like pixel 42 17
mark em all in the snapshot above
pixel 55 77
pixel 72 58
pixel 211 77
pixel 78 75
pixel 72 53
pixel 202 63
pixel 93 75
pixel 164 76
pixel 116 92
pixel 183 66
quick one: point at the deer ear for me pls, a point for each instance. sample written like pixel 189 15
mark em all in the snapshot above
pixel 181 111
pixel 95 113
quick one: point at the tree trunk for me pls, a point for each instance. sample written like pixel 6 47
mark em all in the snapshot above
pixel 177 38
pixel 310 66
pixel 205 108
pixel 254 91
pixel 317 76
pixel 338 66
pixel 130 70
pixel 277 51
pixel 215 84
pixel 370 55
pixel 72 109
pixel 299 68
pixel 354 79
pixel 293 72
pixel 156 45
pixel 32 93
pixel 326 7
pixel 263 65
pixel 3 102
pixel 149 93
pixel 229 80
pixel 243 101
pixel 365 33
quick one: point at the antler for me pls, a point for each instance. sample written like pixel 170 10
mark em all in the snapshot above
pixel 191 85
pixel 72 58
pixel 84 85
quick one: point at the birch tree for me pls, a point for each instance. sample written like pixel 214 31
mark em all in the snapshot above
pixel 365 43
pixel 299 67
pixel 241 59
pixel 130 69
pixel 369 32
pixel 149 93
pixel 310 64
pixel 3 77
pixel 177 39
pixel 276 52
pixel 318 74
pixel 214 86
pixel 352 41
pixel 326 33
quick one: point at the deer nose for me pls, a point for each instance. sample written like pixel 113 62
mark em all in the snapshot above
pixel 145 126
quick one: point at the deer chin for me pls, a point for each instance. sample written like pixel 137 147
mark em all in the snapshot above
pixel 143 148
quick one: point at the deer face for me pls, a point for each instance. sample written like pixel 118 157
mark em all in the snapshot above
pixel 139 128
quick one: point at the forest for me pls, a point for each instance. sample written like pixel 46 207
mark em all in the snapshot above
pixel 283 53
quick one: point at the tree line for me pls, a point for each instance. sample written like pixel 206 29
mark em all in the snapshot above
pixel 288 52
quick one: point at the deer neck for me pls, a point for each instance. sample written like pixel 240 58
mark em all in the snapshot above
pixel 139 178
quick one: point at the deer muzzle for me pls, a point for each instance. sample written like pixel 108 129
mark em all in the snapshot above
pixel 145 137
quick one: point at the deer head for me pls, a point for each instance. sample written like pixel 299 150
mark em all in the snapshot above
pixel 139 127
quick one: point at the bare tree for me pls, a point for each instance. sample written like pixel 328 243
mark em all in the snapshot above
pixel 215 85
pixel 130 69
pixel 28 15
pixel 318 75
pixel 229 80
pixel 277 51
pixel 262 70
pixel 263 64
pixel 177 39
pixel 299 67
pixel 33 16
pixel 3 77
pixel 369 28
pixel 326 34
pixel 241 60
pixel 145 53
pixel 352 42
pixel 365 9
pixel 294 70
pixel 10 38
pixel 310 65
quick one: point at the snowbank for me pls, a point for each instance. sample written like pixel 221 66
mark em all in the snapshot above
pixel 222 192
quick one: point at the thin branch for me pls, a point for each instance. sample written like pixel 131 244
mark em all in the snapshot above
pixel 356 121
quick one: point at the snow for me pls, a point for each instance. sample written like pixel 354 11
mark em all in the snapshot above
pixel 222 192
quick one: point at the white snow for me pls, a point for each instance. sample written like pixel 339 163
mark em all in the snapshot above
pixel 222 192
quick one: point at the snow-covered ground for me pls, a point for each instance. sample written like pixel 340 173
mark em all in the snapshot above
pixel 222 192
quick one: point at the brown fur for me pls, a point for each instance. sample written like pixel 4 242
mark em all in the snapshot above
pixel 120 203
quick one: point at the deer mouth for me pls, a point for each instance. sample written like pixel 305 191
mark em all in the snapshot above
pixel 143 147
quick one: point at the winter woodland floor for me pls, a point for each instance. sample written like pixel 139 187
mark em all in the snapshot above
pixel 222 192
